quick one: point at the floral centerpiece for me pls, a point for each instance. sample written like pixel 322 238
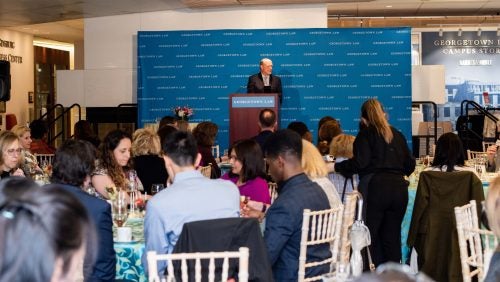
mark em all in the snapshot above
pixel 183 113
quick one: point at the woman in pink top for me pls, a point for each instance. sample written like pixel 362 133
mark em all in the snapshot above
pixel 247 171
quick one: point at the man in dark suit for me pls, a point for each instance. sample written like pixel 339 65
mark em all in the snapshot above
pixel 267 125
pixel 73 163
pixel 265 81
pixel 296 192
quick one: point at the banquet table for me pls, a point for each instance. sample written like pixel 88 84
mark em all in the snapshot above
pixel 128 255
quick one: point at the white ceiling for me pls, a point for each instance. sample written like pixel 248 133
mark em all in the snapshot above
pixel 61 20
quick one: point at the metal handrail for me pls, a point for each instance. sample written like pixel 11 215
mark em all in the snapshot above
pixel 477 107
pixel 119 107
pixel 50 138
pixel 481 110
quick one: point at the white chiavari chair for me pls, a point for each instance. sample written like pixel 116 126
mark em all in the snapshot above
pixel 242 256
pixel 486 144
pixel 273 191
pixel 206 170
pixel 44 159
pixel 319 227
pixel 471 155
pixel 476 245
pixel 347 220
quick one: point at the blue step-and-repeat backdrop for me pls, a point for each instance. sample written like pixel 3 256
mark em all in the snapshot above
pixel 323 72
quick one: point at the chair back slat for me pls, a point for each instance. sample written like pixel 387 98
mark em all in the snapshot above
pixel 197 270
pixel 211 270
pixel 225 268
pixel 273 190
pixel 184 270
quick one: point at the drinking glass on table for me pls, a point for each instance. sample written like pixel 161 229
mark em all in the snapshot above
pixel 120 210
pixel 156 188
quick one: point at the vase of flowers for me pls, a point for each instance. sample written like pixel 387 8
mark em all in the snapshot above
pixel 183 113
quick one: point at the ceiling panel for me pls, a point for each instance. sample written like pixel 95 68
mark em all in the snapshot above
pixel 47 14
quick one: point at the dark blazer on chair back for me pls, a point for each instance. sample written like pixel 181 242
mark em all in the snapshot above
pixel 226 234
pixel 433 230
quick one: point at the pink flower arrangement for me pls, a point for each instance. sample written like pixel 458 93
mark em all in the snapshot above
pixel 183 113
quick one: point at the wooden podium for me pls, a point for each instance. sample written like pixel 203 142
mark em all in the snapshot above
pixel 244 112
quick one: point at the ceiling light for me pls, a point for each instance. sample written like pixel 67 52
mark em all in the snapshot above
pixel 479 31
pixel 388 6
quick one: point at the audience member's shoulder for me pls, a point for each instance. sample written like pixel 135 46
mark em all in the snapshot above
pixel 223 182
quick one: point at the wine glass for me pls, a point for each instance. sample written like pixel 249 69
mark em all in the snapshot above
pixel 120 211
pixel 342 272
pixel 156 188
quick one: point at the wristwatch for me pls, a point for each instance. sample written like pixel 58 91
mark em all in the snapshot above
pixel 264 208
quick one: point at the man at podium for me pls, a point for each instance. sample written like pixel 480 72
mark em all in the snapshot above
pixel 265 81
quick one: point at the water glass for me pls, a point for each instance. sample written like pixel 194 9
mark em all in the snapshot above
pixel 120 210
pixel 329 277
pixel 343 271
pixel 156 188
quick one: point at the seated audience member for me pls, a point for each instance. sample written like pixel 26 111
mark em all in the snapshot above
pixel 113 167
pixel 183 125
pixel 493 159
pixel 205 133
pixel 329 130
pixel 29 164
pixel 39 135
pixel 296 192
pixel 315 168
pixel 168 120
pixel 83 131
pixel 11 158
pixel 149 165
pixel 341 149
pixel 247 170
pixel 321 122
pixel 164 132
pixel 74 161
pixel 493 213
pixel 191 197
pixel 301 129
pixel 43 233
pixel 267 124
pixel 449 154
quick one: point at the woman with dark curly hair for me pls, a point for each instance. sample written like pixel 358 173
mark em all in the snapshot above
pixel 205 133
pixel 113 169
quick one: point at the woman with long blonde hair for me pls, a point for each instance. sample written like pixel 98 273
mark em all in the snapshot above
pixel 315 168
pixel 381 158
